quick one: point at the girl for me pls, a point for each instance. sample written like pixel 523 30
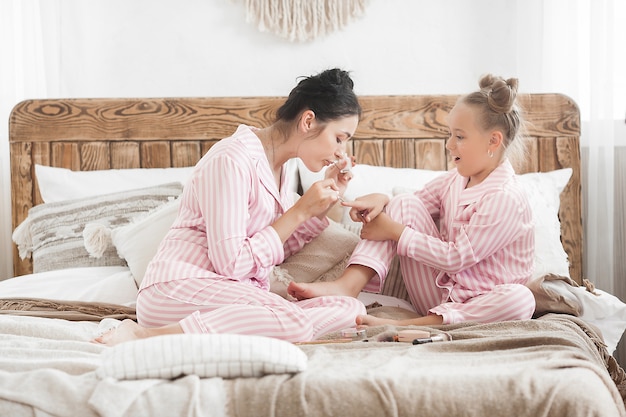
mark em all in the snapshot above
pixel 237 220
pixel 466 240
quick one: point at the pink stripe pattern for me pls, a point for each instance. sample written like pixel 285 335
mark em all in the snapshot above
pixel 211 272
pixel 474 265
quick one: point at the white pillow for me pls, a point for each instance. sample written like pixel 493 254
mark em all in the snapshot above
pixel 204 355
pixel 544 195
pixel 372 179
pixel 138 241
pixel 59 184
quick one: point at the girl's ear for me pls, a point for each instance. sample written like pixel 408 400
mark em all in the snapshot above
pixel 496 140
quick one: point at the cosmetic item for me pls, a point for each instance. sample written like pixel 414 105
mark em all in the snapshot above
pixel 411 335
pixel 354 333
pixel 432 339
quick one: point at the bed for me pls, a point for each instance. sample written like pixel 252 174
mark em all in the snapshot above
pixel 93 184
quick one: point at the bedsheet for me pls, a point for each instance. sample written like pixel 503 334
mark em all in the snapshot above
pixel 552 366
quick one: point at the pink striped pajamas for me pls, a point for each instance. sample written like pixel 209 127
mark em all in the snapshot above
pixel 211 272
pixel 473 266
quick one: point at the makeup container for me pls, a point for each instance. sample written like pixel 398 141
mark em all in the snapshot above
pixel 354 333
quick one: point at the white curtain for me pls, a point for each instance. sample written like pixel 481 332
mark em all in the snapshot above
pixel 22 74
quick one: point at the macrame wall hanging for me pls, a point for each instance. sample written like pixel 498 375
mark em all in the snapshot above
pixel 303 20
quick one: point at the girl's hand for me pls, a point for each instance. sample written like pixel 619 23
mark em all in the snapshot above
pixel 382 227
pixel 366 208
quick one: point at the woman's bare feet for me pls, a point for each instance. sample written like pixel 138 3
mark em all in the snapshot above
pixel 350 283
pixel 129 330
pixel 303 290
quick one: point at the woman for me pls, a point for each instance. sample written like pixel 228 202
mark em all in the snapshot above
pixel 237 220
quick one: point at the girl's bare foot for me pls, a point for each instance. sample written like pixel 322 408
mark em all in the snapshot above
pixel 368 320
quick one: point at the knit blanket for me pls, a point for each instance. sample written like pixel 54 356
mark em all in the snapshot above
pixel 552 366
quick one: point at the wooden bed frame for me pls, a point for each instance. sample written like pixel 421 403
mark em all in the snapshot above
pixel 396 131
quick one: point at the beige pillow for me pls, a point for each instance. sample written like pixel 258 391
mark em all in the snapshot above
pixel 322 259
pixel 548 300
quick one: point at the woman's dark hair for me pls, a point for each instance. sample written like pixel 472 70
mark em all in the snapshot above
pixel 328 94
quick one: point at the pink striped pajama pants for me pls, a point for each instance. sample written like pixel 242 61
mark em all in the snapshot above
pixel 503 302
pixel 228 306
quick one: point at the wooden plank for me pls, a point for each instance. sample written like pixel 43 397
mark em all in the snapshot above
pixel 530 161
pixel 399 153
pixel 185 154
pixel 369 152
pixel 155 154
pixel 21 195
pixel 138 119
pixel 65 155
pixel 570 210
pixel 95 156
pixel 125 155
pixel 430 154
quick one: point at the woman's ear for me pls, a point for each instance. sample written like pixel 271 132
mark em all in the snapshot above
pixel 307 120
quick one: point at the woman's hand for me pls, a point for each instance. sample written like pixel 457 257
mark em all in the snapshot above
pixel 341 172
pixel 319 198
pixel 366 208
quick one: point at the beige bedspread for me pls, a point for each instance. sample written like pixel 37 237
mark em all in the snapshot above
pixel 545 367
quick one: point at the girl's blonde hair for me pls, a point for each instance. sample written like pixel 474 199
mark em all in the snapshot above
pixel 499 109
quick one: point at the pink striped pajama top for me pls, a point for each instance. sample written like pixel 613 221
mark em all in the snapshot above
pixel 211 271
pixel 466 253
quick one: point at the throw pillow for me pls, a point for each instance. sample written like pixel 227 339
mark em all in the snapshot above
pixel 53 232
pixel 204 355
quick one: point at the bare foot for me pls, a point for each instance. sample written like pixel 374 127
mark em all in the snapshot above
pixel 369 320
pixel 127 330
pixel 302 290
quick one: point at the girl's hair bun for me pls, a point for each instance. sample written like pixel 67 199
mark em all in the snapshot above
pixel 501 93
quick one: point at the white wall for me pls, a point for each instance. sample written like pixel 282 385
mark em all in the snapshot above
pixel 206 48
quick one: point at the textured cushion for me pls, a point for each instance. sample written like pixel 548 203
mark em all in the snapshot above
pixel 322 259
pixel 204 355
pixel 53 232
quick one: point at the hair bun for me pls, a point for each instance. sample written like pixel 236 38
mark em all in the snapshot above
pixel 501 93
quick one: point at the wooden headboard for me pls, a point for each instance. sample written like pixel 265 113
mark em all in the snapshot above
pixel 397 131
